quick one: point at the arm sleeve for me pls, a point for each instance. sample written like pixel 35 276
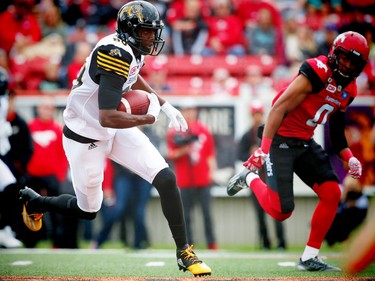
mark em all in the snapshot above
pixel 112 72
pixel 337 131
pixel 110 91
pixel 307 70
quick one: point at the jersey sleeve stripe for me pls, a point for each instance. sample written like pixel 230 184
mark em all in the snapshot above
pixel 114 60
pixel 122 72
pixel 121 69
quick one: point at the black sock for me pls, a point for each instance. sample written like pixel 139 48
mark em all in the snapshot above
pixel 171 204
pixel 66 205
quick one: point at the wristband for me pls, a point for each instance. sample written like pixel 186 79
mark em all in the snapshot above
pixel 346 154
pixel 266 145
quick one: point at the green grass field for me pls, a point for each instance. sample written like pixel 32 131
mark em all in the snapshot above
pixel 160 264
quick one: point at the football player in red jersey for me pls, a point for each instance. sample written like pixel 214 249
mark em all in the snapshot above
pixel 322 90
pixel 95 130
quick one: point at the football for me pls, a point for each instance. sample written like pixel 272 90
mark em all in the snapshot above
pixel 134 102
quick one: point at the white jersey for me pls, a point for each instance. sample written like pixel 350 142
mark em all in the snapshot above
pixel 5 126
pixel 111 56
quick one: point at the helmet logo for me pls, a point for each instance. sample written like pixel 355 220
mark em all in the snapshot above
pixel 133 10
pixel 341 37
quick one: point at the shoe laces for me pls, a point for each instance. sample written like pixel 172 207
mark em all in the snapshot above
pixel 318 259
pixel 317 262
pixel 188 255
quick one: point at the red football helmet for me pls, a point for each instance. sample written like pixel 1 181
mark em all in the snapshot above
pixel 353 47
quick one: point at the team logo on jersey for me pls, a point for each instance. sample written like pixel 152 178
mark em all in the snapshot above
pixel 331 88
pixel 115 52
pixel 321 64
pixel 133 10
pixel 133 70
pixel 344 95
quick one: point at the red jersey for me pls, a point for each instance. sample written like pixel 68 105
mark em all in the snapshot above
pixel 29 26
pixel 318 106
pixel 229 31
pixel 49 156
pixel 192 170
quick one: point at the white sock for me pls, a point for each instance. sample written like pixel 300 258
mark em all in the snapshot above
pixel 309 253
pixel 250 177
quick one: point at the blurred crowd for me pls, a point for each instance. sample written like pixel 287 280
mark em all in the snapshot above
pixel 45 42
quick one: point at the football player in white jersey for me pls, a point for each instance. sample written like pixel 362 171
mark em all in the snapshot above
pixel 94 129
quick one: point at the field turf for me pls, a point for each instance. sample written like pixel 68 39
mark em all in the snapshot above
pixel 153 265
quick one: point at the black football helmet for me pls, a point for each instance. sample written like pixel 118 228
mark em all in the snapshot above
pixel 3 82
pixel 137 15
pixel 355 48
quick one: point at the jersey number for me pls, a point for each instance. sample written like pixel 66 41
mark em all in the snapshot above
pixel 321 115
pixel 78 82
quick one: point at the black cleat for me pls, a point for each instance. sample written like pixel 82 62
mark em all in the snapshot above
pixel 188 260
pixel 315 264
pixel 237 182
pixel 31 214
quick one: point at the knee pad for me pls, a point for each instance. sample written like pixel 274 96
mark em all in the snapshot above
pixel 165 179
pixel 93 179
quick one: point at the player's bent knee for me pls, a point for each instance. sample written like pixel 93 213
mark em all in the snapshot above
pixel 329 191
pixel 93 180
pixel 287 207
pixel 164 179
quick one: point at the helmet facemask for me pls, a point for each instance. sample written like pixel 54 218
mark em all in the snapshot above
pixel 357 63
pixel 348 56
pixel 144 45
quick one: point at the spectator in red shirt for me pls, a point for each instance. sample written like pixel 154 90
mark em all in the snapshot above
pixel 193 156
pixel 82 51
pixel 225 31
pixel 177 10
pixel 189 33
pixel 248 11
pixel 22 26
pixel 48 165
pixel 49 157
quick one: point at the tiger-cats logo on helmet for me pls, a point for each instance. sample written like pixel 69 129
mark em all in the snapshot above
pixel 133 10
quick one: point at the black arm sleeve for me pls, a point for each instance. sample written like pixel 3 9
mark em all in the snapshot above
pixel 110 69
pixel 314 78
pixel 337 132
pixel 110 91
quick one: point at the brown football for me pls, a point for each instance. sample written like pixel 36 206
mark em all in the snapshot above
pixel 134 102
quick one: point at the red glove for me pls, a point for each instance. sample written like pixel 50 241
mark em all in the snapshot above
pixel 355 168
pixel 256 160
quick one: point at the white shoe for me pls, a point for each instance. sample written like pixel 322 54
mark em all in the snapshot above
pixel 237 182
pixel 7 239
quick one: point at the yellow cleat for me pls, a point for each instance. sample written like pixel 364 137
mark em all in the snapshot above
pixel 188 260
pixel 33 221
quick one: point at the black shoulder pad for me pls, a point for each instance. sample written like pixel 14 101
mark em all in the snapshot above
pixel 111 59
pixel 314 78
